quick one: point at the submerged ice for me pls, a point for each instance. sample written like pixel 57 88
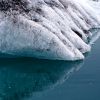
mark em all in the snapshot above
pixel 47 29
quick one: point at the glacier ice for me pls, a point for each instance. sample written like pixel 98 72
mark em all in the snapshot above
pixel 47 29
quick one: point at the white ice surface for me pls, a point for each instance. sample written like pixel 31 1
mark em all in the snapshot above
pixel 52 29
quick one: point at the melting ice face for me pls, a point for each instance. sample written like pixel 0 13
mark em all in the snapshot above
pixel 47 29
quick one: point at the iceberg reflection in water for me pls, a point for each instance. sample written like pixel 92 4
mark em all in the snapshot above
pixel 22 77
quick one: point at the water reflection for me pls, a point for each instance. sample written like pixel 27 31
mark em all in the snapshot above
pixel 21 77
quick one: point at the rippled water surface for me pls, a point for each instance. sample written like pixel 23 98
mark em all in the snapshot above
pixel 31 79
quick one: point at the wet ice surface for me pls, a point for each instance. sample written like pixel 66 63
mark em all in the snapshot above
pixel 32 79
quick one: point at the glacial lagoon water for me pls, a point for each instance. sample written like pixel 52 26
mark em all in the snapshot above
pixel 32 79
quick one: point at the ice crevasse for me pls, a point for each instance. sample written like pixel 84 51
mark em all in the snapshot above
pixel 47 29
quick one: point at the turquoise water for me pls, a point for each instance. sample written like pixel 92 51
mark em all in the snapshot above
pixel 32 79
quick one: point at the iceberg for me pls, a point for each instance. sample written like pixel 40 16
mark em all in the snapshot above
pixel 47 29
